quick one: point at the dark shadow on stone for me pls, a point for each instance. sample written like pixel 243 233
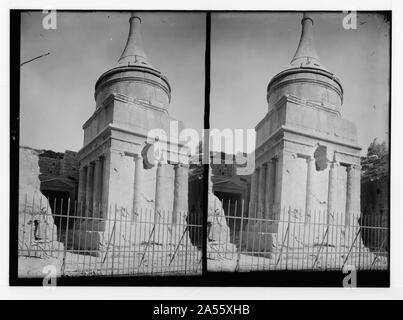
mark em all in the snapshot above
pixel 320 158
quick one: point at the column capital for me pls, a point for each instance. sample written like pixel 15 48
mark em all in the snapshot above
pixel 333 164
pixel 271 161
pixel 181 165
pixel 310 159
pixel 268 163
pixel 353 167
pixel 137 157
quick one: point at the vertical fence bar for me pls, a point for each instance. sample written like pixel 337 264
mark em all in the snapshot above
pixel 109 235
pixel 32 224
pixel 114 243
pixel 153 241
pixel 66 237
pixel 288 239
pixel 346 236
pixel 24 226
pixel 309 239
pixel 186 251
pixel 235 223
pixel 131 226
pixel 337 241
pixel 240 237
pixel 140 237
pixel 55 216
pixel 120 253
pixel 59 236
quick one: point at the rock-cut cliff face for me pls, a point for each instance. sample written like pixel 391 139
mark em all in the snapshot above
pixel 37 233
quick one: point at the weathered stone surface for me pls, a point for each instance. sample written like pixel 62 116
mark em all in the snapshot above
pixel 219 246
pixel 223 265
pixel 128 123
pixel 37 233
pixel 30 267
pixel 218 228
pixel 320 156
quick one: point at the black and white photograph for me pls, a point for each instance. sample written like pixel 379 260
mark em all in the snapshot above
pixel 100 193
pixel 314 87
pixel 216 152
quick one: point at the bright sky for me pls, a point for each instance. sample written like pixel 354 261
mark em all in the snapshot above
pixel 57 91
pixel 248 49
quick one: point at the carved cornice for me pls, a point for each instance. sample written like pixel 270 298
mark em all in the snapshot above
pixel 317 82
pixel 315 105
pixel 290 71
pixel 320 137
pixel 263 147
pixel 126 99
pixel 133 68
pixel 302 102
pixel 121 98
pixel 347 158
pixel 101 86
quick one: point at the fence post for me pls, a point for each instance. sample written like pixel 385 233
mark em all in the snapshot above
pixel 23 226
pixel 186 251
pixel 320 248
pixel 114 238
pixel 351 247
pixel 153 241
pixel 66 237
pixel 328 229
pixel 359 241
pixel 288 238
pixel 240 237
pixel 32 223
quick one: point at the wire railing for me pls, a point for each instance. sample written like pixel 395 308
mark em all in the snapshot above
pixel 123 242
pixel 147 242
pixel 290 240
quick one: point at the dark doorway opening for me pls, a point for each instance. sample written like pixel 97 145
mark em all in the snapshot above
pixel 194 218
pixel 59 206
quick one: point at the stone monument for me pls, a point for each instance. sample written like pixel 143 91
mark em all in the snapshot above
pixel 131 99
pixel 307 155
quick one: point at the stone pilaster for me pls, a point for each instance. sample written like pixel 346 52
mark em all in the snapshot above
pixel 268 199
pixel 278 182
pixel 353 191
pixel 138 168
pixel 89 190
pixel 332 189
pixel 309 194
pixel 97 188
pixel 261 191
pixel 253 193
pixel 180 190
pixel 159 189
pixel 81 191
pixel 105 184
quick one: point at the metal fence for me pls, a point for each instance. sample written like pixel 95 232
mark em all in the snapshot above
pixel 143 242
pixel 146 242
pixel 291 241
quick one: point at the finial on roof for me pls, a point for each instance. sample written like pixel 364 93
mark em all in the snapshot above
pixel 134 54
pixel 306 55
